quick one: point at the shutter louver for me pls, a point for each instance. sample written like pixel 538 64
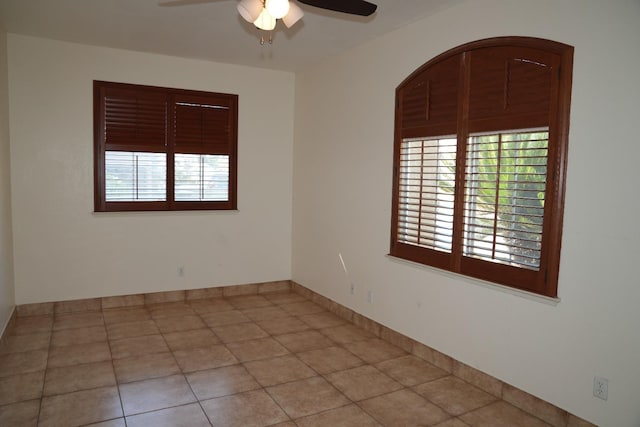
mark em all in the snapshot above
pixel 202 126
pixel 505 182
pixel 430 102
pixel 510 88
pixel 134 120
pixel 427 182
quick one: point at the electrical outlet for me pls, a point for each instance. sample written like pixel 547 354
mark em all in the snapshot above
pixel 370 296
pixel 181 271
pixel 601 388
pixel 352 289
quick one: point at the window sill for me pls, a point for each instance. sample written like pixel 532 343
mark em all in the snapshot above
pixel 166 213
pixel 505 289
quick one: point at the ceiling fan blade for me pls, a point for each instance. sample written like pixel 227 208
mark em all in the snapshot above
pixel 174 3
pixel 353 7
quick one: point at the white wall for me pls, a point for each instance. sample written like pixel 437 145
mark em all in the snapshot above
pixel 7 296
pixel 342 198
pixel 65 251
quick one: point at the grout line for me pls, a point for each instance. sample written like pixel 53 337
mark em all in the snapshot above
pixel 46 368
pixel 113 368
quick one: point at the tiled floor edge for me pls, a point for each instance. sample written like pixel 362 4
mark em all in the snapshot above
pixel 531 404
pixel 8 325
pixel 122 301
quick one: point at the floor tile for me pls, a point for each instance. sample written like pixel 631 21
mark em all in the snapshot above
pixel 501 414
pixel 307 397
pixel 212 305
pixel 374 350
pixel 78 336
pixel 117 422
pixel 239 332
pixel 221 382
pixel 322 320
pixel 145 367
pixel 172 309
pixel 164 298
pixel 23 414
pixel 411 370
pixel 76 354
pixel 330 359
pixel 122 301
pixel 126 315
pixel 77 320
pixel 201 358
pixel 137 346
pixel 81 407
pixel 249 301
pixel 22 343
pixel 159 393
pixel 346 334
pixel 452 422
pixel 346 416
pixel 284 297
pixel 175 324
pixel 78 377
pixel 20 387
pixel 138 328
pixel 529 403
pixel 22 363
pixel 78 306
pixel 363 382
pixel 283 325
pixel 454 395
pixel 250 409
pixel 403 407
pixel 191 339
pixel 304 341
pixel 187 415
pixel 32 325
pixel 279 370
pixel 224 318
pixel 262 348
pixel 302 308
pixel 265 313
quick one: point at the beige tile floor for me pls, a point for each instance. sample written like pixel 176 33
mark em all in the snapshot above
pixel 259 360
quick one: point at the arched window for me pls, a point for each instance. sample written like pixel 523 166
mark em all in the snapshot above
pixel 481 135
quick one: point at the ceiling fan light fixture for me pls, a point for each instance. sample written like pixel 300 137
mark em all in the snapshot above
pixel 265 21
pixel 277 8
pixel 250 10
pixel 294 15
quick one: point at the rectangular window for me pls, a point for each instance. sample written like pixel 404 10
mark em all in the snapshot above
pixel 164 149
pixel 505 181
pixel 132 176
pixel 427 183
pixel 201 177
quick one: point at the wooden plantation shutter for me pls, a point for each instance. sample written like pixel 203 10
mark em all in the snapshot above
pixel 163 149
pixel 479 158
pixel 134 120
pixel 203 124
pixel 205 141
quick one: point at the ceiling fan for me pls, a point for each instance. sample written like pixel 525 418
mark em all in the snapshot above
pixel 265 13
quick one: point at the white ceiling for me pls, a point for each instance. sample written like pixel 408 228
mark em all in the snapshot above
pixel 209 29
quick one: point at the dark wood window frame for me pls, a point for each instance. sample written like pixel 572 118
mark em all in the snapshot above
pixel 150 119
pixel 493 85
